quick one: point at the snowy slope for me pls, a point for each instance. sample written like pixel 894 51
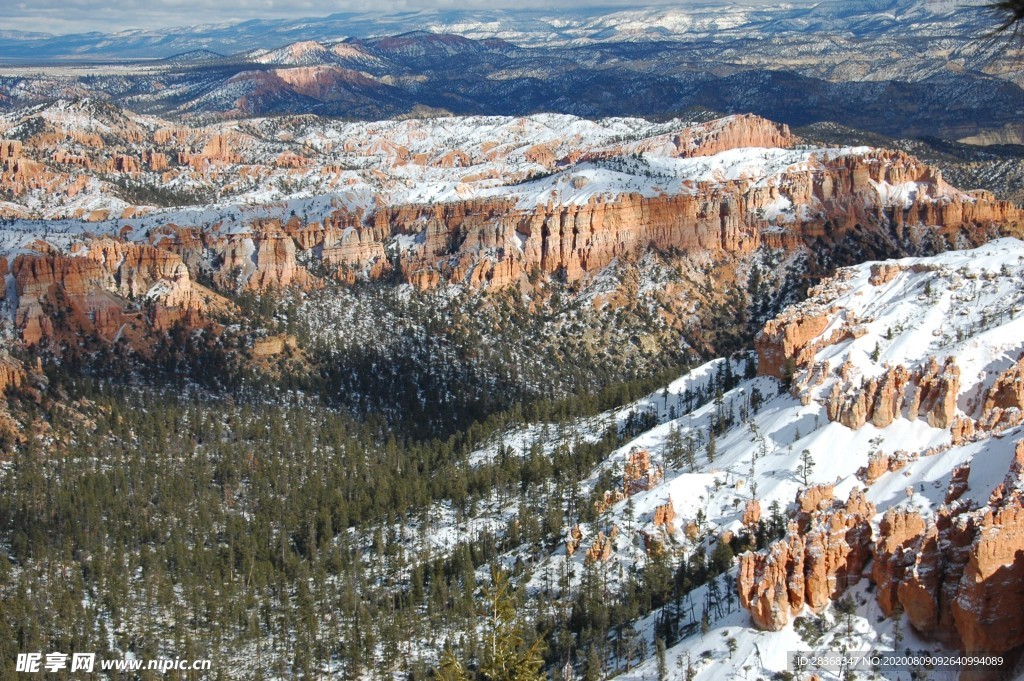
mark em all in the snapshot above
pixel 762 446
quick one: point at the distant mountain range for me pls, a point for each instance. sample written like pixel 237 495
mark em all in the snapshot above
pixel 898 67
pixel 531 28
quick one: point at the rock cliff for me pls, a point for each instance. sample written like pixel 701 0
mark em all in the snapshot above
pixel 110 290
pixel 929 392
pixel 957 575
pixel 823 554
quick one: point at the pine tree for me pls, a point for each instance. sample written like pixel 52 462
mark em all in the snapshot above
pixel 593 670
pixel 675 451
pixel 450 669
pixel 806 466
pixel 506 655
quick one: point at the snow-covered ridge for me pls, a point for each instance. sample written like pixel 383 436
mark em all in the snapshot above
pixel 968 305
pixel 964 303
pixel 272 167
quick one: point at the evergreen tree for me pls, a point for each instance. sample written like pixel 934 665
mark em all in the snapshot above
pixel 659 645
pixel 806 466
pixel 506 654
pixel 674 449
pixel 449 668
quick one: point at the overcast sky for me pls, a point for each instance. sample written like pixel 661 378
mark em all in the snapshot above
pixel 108 16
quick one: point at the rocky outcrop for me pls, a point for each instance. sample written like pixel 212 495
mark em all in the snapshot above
pixel 751 513
pixel 13 376
pixel 275 264
pixel 884 272
pixel 572 542
pixel 880 463
pixel 497 242
pixel 703 139
pixel 771 583
pixel 957 576
pixel 273 346
pixel 1003 407
pixel 10 149
pixel 813 499
pixel 929 392
pixel 112 290
pixel 640 474
pixel 990 600
pixel 12 373
pixel 601 549
pixel 959 483
pixel 837 548
pixel 821 556
pixel 664 515
pixel 1008 390
pixel 935 396
pixel 782 342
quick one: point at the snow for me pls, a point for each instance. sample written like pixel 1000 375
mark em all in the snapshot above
pixel 965 304
pixel 765 450
pixel 361 166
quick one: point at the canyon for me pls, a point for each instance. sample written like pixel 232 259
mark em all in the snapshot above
pixel 495 204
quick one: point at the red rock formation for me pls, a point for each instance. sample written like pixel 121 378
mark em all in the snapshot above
pixel 705 139
pixel 963 429
pixel 664 514
pixel 751 513
pixel 880 463
pixel 780 343
pixel 12 373
pixel 838 547
pixel 958 483
pixel 496 242
pixel 601 549
pixel 125 164
pixel 155 160
pixel 958 576
pixel 1003 407
pixel 1008 390
pixel 219 149
pixel 76 297
pixel 814 498
pixel 608 499
pixel 883 273
pixel 817 561
pixel 771 583
pixel 639 474
pixel 936 393
pixel 930 391
pixel 275 262
pixel 12 376
pixel 572 542
pixel 990 600
pixel 273 345
pixel 879 400
pixel 493 242
pixel 918 566
pixel 10 149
